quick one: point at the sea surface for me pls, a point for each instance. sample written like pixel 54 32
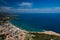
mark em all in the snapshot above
pixel 38 21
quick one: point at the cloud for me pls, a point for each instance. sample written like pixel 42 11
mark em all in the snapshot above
pixel 25 4
pixel 6 9
pixel 32 10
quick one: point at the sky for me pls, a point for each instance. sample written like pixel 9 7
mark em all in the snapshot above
pixel 30 6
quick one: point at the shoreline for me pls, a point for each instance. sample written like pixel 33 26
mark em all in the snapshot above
pixel 12 32
pixel 21 34
pixel 17 27
pixel 43 31
pixel 33 31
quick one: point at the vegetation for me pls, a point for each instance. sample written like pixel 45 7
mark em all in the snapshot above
pixel 2 37
pixel 40 36
pixel 4 17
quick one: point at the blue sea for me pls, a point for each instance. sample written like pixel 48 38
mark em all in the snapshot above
pixel 38 21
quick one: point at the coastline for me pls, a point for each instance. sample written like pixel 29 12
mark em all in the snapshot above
pixel 12 32
pixel 21 34
pixel 43 31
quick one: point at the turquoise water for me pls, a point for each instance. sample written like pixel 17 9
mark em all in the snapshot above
pixel 38 21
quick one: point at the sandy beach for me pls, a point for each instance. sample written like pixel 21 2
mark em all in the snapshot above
pixel 50 33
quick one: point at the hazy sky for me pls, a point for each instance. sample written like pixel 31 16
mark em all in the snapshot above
pixel 30 6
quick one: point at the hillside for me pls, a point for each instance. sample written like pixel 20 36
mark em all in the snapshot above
pixel 41 36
